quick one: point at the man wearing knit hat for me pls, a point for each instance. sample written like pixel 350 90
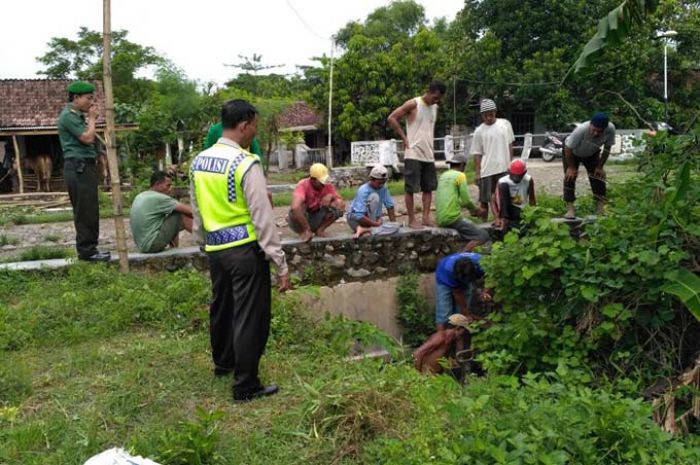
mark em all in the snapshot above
pixel 419 159
pixel 315 204
pixel 583 146
pixel 77 133
pixel 492 147
pixel 365 211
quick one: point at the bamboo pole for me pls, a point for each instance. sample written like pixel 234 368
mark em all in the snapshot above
pixel 110 138
pixel 18 163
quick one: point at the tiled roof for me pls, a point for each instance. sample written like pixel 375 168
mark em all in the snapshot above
pixel 31 103
pixel 299 114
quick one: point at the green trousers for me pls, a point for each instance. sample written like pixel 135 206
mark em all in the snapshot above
pixel 80 176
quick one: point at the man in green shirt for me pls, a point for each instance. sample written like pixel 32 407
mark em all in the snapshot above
pixel 452 195
pixel 77 135
pixel 215 133
pixel 156 219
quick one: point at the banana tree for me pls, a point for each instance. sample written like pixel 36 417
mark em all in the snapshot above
pixel 612 31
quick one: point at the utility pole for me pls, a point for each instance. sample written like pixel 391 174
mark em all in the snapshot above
pixel 329 151
pixel 110 138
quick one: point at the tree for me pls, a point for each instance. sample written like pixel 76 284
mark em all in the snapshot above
pixel 82 59
pixel 389 58
pixel 175 108
pixel 518 52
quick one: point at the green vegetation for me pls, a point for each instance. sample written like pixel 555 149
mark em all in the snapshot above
pixel 42 252
pixel 597 306
pixel 8 240
pixel 416 314
pixel 129 365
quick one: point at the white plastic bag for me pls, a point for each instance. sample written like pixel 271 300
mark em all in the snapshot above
pixel 117 456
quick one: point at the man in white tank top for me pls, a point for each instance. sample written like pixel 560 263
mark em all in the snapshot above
pixel 419 159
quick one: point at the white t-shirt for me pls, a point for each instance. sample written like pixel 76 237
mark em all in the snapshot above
pixel 419 130
pixel 493 144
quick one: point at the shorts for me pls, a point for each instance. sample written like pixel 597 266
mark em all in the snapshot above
pixel 487 186
pixel 314 219
pixel 445 303
pixel 171 227
pixel 469 231
pixel 419 176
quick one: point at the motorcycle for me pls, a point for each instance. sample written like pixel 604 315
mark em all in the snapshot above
pixel 553 146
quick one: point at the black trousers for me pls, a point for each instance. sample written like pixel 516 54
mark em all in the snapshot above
pixel 598 186
pixel 240 312
pixel 82 190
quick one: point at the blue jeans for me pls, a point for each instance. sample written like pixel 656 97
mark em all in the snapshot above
pixel 445 304
pixel 374 211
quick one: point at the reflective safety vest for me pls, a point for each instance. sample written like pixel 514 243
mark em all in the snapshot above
pixel 217 174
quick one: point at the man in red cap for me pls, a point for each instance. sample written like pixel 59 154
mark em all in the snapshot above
pixel 514 192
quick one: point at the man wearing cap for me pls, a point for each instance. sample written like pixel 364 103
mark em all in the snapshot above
pixel 235 220
pixel 76 131
pixel 583 146
pixel 315 204
pixel 514 192
pixel 365 211
pixel 492 147
pixel 443 344
pixel 452 196
pixel 419 160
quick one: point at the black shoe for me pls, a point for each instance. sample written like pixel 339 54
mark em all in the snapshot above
pixel 262 392
pixel 96 257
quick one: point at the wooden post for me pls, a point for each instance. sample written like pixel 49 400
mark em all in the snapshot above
pixel 18 163
pixel 110 138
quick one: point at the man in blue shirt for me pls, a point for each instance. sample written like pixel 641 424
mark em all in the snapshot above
pixel 454 287
pixel 365 211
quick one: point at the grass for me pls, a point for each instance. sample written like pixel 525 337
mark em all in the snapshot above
pixel 129 365
pixel 286 177
pixel 92 359
pixel 32 216
pixel 42 252
pixel 8 240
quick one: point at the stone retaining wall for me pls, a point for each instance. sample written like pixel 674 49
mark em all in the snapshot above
pixel 329 261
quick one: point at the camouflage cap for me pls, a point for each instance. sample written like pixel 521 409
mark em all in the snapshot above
pixel 81 87
pixel 457 319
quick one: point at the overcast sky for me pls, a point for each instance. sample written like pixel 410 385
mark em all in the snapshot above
pixel 198 36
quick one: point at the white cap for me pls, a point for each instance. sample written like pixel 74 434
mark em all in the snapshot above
pixel 378 172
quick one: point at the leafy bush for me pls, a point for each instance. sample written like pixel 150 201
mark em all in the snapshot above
pixel 542 421
pixel 416 315
pixel 597 304
pixel 192 442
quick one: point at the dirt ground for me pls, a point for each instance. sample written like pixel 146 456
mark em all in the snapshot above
pixel 548 178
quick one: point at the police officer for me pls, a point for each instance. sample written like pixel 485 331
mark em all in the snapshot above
pixel 76 132
pixel 234 218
